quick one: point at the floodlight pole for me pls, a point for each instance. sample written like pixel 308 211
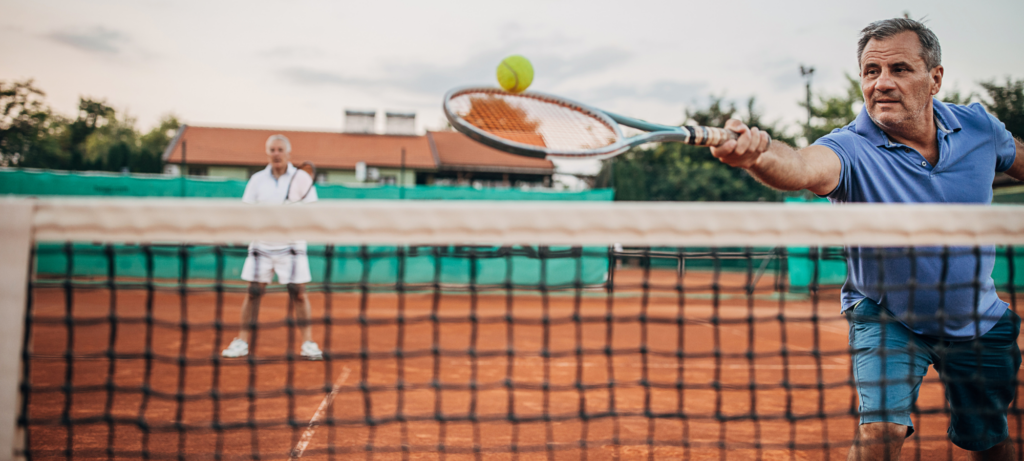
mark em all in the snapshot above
pixel 611 176
pixel 807 73
pixel 401 177
pixel 184 167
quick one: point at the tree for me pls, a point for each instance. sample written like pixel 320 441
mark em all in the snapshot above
pixel 680 172
pixel 115 145
pixel 953 96
pixel 153 143
pixel 833 111
pixel 1007 104
pixel 92 115
pixel 32 136
pixel 112 145
pixel 28 127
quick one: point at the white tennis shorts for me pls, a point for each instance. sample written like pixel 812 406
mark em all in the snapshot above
pixel 290 266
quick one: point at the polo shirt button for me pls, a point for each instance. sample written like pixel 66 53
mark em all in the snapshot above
pixel 924 163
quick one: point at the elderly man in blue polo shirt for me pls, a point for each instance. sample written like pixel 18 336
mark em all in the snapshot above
pixel 907 147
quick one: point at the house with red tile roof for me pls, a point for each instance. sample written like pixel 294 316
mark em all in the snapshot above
pixel 438 157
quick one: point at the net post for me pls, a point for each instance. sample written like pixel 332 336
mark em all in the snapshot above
pixel 15 245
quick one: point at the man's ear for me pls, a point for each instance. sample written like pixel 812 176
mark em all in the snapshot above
pixel 936 76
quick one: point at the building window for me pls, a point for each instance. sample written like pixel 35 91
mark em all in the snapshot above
pixel 197 170
pixel 389 180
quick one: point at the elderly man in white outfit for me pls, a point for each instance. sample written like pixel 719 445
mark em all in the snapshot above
pixel 287 260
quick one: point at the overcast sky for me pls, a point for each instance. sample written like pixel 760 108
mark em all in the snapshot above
pixel 299 64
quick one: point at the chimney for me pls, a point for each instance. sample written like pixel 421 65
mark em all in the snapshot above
pixel 360 121
pixel 403 123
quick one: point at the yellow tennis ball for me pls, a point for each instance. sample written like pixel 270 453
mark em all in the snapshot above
pixel 515 74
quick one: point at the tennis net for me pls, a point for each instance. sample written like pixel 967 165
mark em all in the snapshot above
pixel 473 330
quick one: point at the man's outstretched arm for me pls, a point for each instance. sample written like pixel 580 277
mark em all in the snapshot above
pixel 815 168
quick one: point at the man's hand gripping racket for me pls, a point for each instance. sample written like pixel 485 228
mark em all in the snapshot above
pixel 743 151
pixel 302 183
pixel 544 126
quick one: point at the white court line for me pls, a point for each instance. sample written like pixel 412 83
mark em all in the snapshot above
pixel 314 422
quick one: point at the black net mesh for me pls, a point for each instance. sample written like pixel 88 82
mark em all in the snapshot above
pixel 473 352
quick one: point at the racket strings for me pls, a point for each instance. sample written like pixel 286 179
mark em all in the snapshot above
pixel 301 185
pixel 530 119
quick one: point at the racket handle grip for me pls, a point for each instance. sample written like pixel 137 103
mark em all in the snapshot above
pixel 713 137
pixel 716 137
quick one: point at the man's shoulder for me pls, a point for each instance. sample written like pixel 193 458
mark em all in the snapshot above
pixel 972 116
pixel 974 109
pixel 259 175
pixel 845 136
pixel 849 130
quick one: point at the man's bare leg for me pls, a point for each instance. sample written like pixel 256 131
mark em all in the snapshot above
pixel 1003 451
pixel 303 312
pixel 250 309
pixel 878 441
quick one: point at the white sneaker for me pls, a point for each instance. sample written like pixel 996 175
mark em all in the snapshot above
pixel 237 348
pixel 311 351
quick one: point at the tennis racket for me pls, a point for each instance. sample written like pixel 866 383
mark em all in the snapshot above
pixel 544 126
pixel 302 183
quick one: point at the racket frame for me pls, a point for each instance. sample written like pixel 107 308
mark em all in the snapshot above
pixel 696 135
pixel 312 184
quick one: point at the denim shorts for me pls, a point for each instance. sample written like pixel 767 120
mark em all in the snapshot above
pixel 979 375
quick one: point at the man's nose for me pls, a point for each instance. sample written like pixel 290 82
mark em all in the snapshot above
pixel 885 81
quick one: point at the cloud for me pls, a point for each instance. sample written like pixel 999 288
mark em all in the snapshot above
pixel 783 81
pixel 583 64
pixel 665 91
pixel 288 52
pixel 98 40
pixel 306 76
pixel 784 74
pixel 434 80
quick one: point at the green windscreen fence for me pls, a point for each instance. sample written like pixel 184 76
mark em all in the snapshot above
pixel 50 183
pixel 353 267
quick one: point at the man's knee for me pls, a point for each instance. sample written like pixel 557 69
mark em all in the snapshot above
pixel 295 292
pixel 879 431
pixel 255 290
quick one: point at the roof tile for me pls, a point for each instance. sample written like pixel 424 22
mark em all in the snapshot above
pixel 456 149
pixel 237 146
pixel 335 150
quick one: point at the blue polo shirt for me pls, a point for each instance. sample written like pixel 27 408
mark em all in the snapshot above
pixel 932 291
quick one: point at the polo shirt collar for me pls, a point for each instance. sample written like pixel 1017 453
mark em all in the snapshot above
pixel 866 127
pixel 291 169
pixel 947 120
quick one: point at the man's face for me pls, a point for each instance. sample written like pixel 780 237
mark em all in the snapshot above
pixel 896 83
pixel 277 154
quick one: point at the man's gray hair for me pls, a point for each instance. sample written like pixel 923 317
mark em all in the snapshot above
pixel 283 139
pixel 931 52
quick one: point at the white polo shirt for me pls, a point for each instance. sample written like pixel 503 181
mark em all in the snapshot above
pixel 263 187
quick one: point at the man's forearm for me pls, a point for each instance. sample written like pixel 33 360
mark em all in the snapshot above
pixel 784 168
pixel 815 168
